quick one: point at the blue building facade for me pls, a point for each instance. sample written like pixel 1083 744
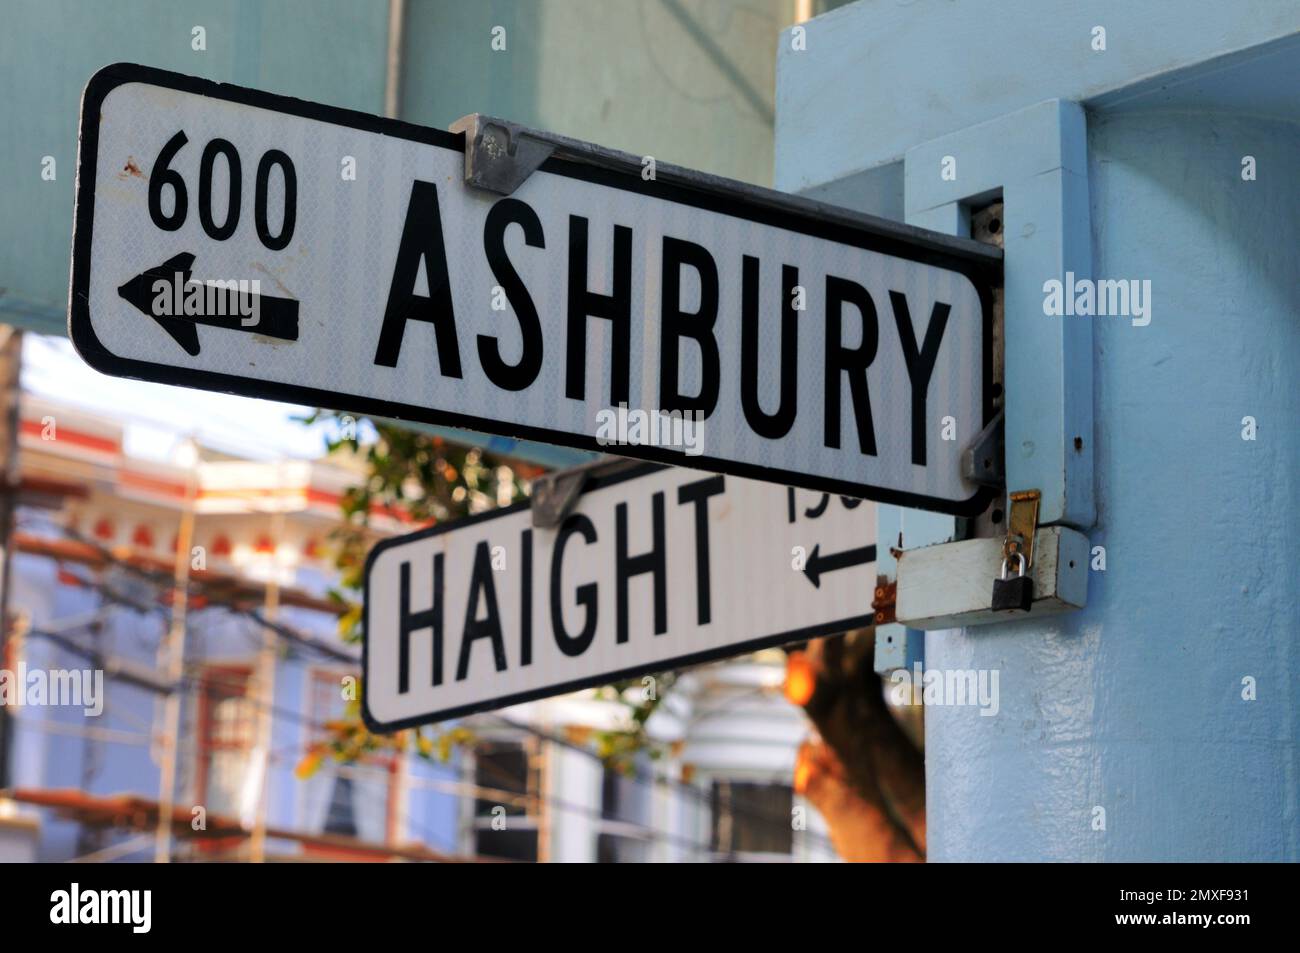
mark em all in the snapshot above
pixel 92 597
pixel 1154 143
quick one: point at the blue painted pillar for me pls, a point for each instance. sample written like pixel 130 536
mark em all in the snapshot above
pixel 1161 722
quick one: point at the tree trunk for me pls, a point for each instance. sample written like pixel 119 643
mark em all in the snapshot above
pixel 863 773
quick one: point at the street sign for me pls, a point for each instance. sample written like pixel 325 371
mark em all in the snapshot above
pixel 238 241
pixel 653 569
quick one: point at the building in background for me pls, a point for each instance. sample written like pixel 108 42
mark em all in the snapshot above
pixel 95 542
pixel 690 82
pixel 95 547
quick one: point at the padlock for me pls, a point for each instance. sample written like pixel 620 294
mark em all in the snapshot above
pixel 1015 594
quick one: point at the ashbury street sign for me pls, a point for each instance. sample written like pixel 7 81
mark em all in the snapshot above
pixel 238 241
pixel 654 568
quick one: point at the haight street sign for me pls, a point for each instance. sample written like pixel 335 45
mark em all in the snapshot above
pixel 238 241
pixel 654 568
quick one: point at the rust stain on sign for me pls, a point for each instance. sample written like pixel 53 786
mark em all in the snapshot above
pixel 131 169
pixel 258 266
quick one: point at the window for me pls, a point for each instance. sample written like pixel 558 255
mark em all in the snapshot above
pixel 508 827
pixel 624 806
pixel 341 817
pixel 227 725
pixel 751 818
pixel 364 797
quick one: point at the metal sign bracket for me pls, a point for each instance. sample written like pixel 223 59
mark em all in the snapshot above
pixel 982 461
pixel 1022 524
pixel 501 155
pixel 554 494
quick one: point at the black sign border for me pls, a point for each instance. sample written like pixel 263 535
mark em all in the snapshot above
pixel 94 353
pixel 505 701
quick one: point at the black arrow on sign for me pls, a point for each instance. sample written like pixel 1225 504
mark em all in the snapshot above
pixel 850 557
pixel 277 317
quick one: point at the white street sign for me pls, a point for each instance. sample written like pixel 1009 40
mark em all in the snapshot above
pixel 238 241
pixel 655 568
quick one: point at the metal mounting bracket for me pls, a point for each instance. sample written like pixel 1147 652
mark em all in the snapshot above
pixel 500 155
pixel 946 586
pixel 982 461
pixel 1022 524
pixel 555 493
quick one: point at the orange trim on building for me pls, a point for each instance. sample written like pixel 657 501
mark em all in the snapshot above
pixel 131 812
pixel 148 484
pixel 86 441
pixel 230 586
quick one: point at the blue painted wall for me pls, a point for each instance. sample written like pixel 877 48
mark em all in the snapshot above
pixel 1135 705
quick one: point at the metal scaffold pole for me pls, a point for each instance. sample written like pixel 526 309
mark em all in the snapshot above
pixel 11 349
pixel 172 662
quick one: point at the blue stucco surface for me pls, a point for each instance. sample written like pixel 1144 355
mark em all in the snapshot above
pixel 1134 705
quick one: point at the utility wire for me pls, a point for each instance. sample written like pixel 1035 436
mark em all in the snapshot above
pixel 208 684
pixel 295 637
